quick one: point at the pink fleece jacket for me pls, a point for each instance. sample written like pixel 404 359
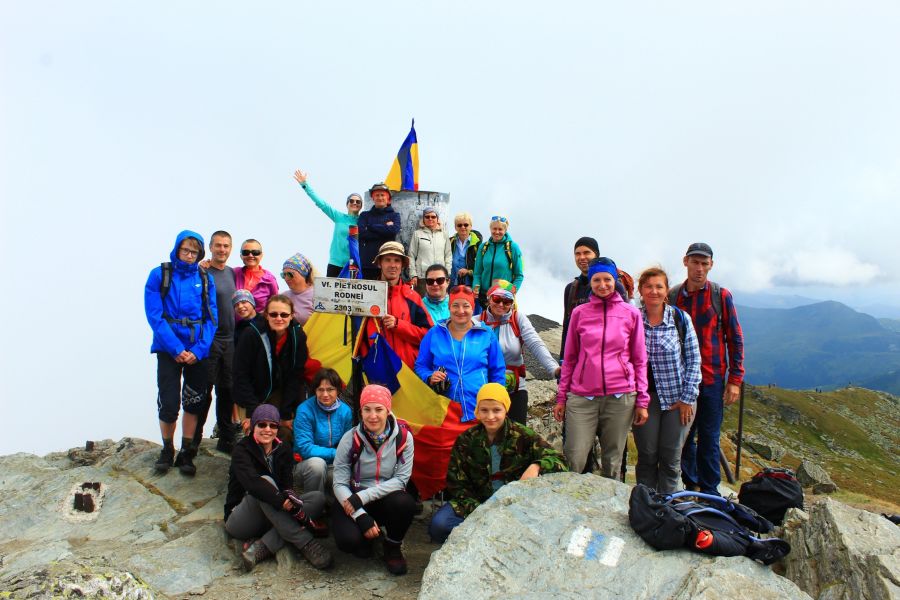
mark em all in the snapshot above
pixel 605 351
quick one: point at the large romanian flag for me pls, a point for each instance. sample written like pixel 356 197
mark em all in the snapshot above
pixel 404 173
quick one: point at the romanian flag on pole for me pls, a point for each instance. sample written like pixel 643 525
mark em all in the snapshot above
pixel 404 173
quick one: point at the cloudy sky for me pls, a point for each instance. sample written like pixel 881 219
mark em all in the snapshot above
pixel 768 129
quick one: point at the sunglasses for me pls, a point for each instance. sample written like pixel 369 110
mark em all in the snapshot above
pixel 498 218
pixel 502 300
pixel 462 289
pixel 463 225
pixel 267 425
pixel 430 217
pixel 287 275
pixel 354 201
pixel 249 252
pixel 278 315
pixel 435 280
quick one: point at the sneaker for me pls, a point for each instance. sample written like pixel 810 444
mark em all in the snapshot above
pixel 185 463
pixel 254 553
pixel 317 555
pixel 394 559
pixel 319 528
pixel 165 460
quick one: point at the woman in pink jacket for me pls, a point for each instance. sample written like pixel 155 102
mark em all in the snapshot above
pixel 603 383
pixel 252 277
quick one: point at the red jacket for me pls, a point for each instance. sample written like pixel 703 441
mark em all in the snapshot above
pixel 413 322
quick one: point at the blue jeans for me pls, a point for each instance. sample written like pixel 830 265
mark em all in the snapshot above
pixel 442 523
pixel 700 457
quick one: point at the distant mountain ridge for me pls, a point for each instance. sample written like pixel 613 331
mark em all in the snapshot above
pixel 826 344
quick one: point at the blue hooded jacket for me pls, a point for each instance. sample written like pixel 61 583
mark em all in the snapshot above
pixel 184 301
pixel 317 433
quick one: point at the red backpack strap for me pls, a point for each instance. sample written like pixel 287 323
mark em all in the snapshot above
pixel 402 439
pixel 355 451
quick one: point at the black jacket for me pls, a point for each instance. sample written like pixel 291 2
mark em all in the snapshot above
pixel 373 232
pixel 255 382
pixel 248 465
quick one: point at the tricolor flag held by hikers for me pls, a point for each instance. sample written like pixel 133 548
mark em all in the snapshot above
pixel 404 173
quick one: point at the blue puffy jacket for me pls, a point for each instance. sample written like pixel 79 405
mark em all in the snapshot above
pixel 478 360
pixel 317 433
pixel 184 302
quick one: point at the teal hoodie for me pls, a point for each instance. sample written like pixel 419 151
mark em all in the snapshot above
pixel 339 253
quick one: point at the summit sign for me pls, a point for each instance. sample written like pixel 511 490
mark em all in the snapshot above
pixel 352 297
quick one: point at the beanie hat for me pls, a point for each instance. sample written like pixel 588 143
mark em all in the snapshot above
pixel 462 292
pixel 493 391
pixel 298 263
pixel 242 295
pixel 264 412
pixel 502 288
pixel 603 265
pixel 375 394
pixel 588 242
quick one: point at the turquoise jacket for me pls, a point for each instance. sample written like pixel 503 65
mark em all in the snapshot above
pixel 492 262
pixel 339 253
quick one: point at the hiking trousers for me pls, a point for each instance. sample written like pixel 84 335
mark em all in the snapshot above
pixel 610 415
pixel 189 394
pixel 659 442
pixel 700 458
pixel 393 513
pixel 315 474
pixel 254 519
pixel 218 364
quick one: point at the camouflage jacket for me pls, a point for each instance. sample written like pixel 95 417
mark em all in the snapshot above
pixel 469 472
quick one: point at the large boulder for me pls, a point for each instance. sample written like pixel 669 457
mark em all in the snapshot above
pixel 809 474
pixel 842 553
pixel 567 536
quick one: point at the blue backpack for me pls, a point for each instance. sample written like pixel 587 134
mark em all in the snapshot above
pixel 703 523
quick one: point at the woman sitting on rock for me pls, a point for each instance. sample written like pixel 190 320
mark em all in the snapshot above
pixel 372 466
pixel 320 424
pixel 261 506
pixel 486 457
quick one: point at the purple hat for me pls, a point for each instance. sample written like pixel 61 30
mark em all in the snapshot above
pixel 264 412
pixel 242 295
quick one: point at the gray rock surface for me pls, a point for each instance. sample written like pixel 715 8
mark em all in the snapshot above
pixel 809 474
pixel 567 536
pixel 842 553
pixel 765 448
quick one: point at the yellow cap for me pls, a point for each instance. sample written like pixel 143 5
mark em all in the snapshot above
pixel 493 391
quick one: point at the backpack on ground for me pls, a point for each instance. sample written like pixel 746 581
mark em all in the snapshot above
pixel 703 523
pixel 771 493
pixel 401 440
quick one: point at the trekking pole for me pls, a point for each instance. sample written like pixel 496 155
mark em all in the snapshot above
pixel 725 466
pixel 740 433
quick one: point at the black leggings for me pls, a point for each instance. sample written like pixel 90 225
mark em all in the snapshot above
pixel 394 513
pixel 333 270
pixel 518 407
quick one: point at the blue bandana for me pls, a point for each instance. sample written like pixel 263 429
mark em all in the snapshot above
pixel 603 265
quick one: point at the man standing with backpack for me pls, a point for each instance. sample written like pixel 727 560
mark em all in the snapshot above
pixel 721 340
pixel 180 304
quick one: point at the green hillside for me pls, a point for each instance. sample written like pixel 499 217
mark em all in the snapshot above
pixel 854 433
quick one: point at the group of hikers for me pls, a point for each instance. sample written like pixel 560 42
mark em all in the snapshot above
pixel 659 361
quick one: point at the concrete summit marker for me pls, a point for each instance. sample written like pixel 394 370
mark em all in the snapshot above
pixel 353 297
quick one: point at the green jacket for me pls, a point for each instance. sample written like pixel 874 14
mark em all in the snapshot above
pixel 497 260
pixel 469 472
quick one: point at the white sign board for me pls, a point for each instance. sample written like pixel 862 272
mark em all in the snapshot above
pixel 354 297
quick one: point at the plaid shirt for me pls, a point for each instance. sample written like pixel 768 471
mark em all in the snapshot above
pixel 715 339
pixel 677 378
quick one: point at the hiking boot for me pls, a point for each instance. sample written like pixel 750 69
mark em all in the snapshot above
pixel 165 460
pixel 364 550
pixel 185 462
pixel 254 553
pixel 317 555
pixel 225 438
pixel 394 559
pixel 319 528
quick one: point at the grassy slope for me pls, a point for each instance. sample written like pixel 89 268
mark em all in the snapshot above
pixel 853 432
